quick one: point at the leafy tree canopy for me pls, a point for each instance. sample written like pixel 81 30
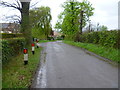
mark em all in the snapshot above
pixel 69 20
pixel 103 28
pixel 40 20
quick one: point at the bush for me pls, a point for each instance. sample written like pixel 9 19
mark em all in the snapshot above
pixel 11 35
pixel 109 38
pixel 104 38
pixel 11 47
pixel 59 38
pixel 50 38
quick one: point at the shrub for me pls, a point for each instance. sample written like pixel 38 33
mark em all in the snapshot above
pixel 11 47
pixel 109 38
pixel 59 38
pixel 104 38
pixel 11 35
pixel 50 38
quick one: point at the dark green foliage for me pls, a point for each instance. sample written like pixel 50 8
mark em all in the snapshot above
pixel 50 38
pixel 59 38
pixel 62 36
pixel 7 35
pixel 11 47
pixel 104 38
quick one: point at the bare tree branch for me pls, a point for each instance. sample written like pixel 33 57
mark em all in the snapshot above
pixel 18 2
pixel 14 18
pixel 13 5
pixel 34 4
pixel 16 6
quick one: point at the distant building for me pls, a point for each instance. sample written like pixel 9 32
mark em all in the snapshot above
pixel 57 34
pixel 9 28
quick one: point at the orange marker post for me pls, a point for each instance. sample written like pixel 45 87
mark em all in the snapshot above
pixel 37 40
pixel 25 51
pixel 33 48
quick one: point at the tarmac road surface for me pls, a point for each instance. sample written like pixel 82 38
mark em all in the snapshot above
pixel 65 66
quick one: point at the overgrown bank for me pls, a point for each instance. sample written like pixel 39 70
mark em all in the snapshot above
pixel 16 74
pixel 108 39
pixel 11 47
pixel 106 52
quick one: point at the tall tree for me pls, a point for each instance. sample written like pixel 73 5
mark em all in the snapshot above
pixel 40 19
pixel 14 5
pixel 74 17
pixel 23 8
pixel 103 28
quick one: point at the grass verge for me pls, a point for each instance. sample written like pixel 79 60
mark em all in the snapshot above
pixel 109 53
pixel 44 41
pixel 17 75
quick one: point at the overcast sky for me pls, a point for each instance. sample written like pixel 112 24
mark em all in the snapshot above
pixel 105 13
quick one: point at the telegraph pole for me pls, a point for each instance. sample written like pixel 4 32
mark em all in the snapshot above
pixel 72 8
pixel 89 26
pixel 97 26
pixel 81 22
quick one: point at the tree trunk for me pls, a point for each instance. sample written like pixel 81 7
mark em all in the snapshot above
pixel 25 27
pixel 72 8
pixel 78 35
pixel 81 22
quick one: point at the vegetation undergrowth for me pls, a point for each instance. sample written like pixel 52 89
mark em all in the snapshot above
pixel 11 47
pixel 17 75
pixel 109 53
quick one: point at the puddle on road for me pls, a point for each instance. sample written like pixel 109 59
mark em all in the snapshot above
pixel 41 77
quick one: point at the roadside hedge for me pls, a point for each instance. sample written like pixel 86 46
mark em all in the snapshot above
pixel 11 47
pixel 104 38
pixel 11 35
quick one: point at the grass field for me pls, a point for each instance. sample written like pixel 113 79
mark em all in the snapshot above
pixel 109 53
pixel 17 75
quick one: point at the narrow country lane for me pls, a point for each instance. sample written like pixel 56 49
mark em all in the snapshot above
pixel 66 66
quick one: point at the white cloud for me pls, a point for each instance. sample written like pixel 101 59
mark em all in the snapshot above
pixel 106 11
pixel 55 6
